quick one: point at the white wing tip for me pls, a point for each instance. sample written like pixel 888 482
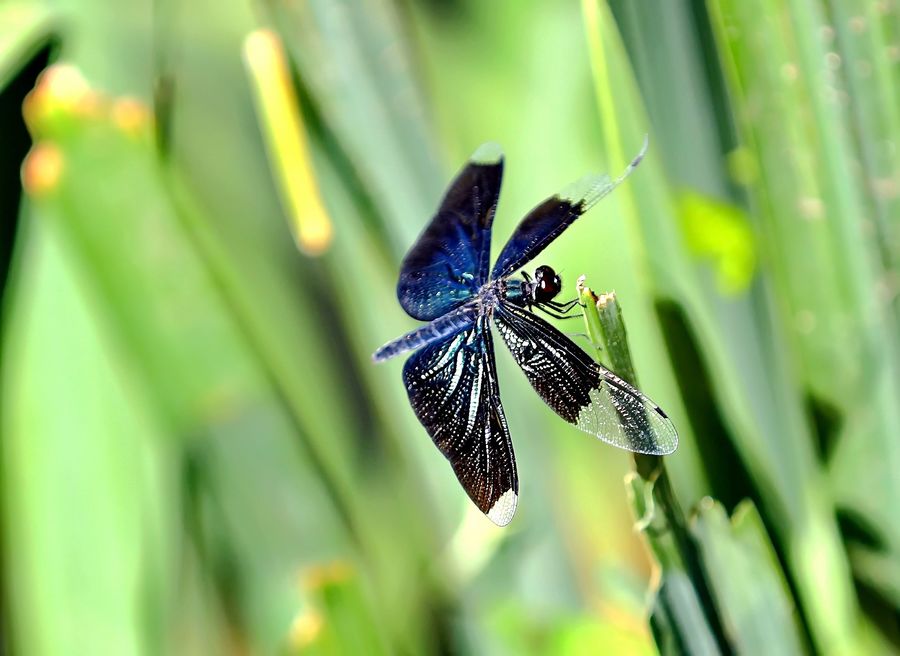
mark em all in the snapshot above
pixel 487 153
pixel 501 513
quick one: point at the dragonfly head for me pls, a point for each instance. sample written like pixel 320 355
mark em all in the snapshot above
pixel 547 284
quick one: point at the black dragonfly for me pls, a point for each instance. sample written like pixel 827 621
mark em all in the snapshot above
pixel 452 377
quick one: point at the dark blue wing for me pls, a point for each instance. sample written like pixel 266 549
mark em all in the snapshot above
pixel 450 260
pixel 453 390
pixel 548 220
pixel 580 390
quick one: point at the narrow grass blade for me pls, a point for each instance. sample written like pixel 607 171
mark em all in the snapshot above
pixel 286 142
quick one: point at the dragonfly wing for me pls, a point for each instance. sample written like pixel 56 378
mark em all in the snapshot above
pixel 580 390
pixel 450 260
pixel 453 390
pixel 548 220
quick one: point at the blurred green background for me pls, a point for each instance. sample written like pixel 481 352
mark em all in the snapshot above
pixel 197 454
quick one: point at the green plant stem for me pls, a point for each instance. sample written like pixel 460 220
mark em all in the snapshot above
pixel 606 328
pixel 659 514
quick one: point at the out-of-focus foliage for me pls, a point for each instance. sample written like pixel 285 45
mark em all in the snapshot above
pixel 196 453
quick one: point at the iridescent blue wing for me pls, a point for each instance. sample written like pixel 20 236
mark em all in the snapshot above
pixel 453 390
pixel 450 260
pixel 548 220
pixel 580 390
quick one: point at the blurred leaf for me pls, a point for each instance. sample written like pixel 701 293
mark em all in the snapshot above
pixel 675 65
pixel 187 344
pixel 790 104
pixel 859 42
pixel 354 63
pixel 680 609
pixel 27 34
pixel 25 28
pixel 167 314
pixel 746 579
pixel 527 633
pixel 877 570
pixel 340 619
pixel 85 492
pixel 25 49
pixel 788 112
pixel 719 232
pixel 677 619
pixel 742 351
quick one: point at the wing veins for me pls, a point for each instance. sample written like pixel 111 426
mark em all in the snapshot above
pixel 453 389
pixel 584 399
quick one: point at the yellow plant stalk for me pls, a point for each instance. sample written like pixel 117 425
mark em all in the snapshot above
pixel 285 138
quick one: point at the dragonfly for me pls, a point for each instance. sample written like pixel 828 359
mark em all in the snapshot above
pixel 451 378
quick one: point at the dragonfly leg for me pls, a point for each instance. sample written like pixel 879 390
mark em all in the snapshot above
pixel 583 336
pixel 564 307
pixel 553 313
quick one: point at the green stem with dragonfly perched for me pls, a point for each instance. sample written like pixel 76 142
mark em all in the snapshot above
pixel 682 603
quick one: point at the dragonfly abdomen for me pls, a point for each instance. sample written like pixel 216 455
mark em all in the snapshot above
pixel 439 329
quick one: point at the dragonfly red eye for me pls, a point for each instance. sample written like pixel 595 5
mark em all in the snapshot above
pixel 547 284
pixel 544 272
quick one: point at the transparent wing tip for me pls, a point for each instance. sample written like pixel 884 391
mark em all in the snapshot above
pixel 668 447
pixel 634 162
pixel 587 189
pixel 637 158
pixel 591 188
pixel 666 438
